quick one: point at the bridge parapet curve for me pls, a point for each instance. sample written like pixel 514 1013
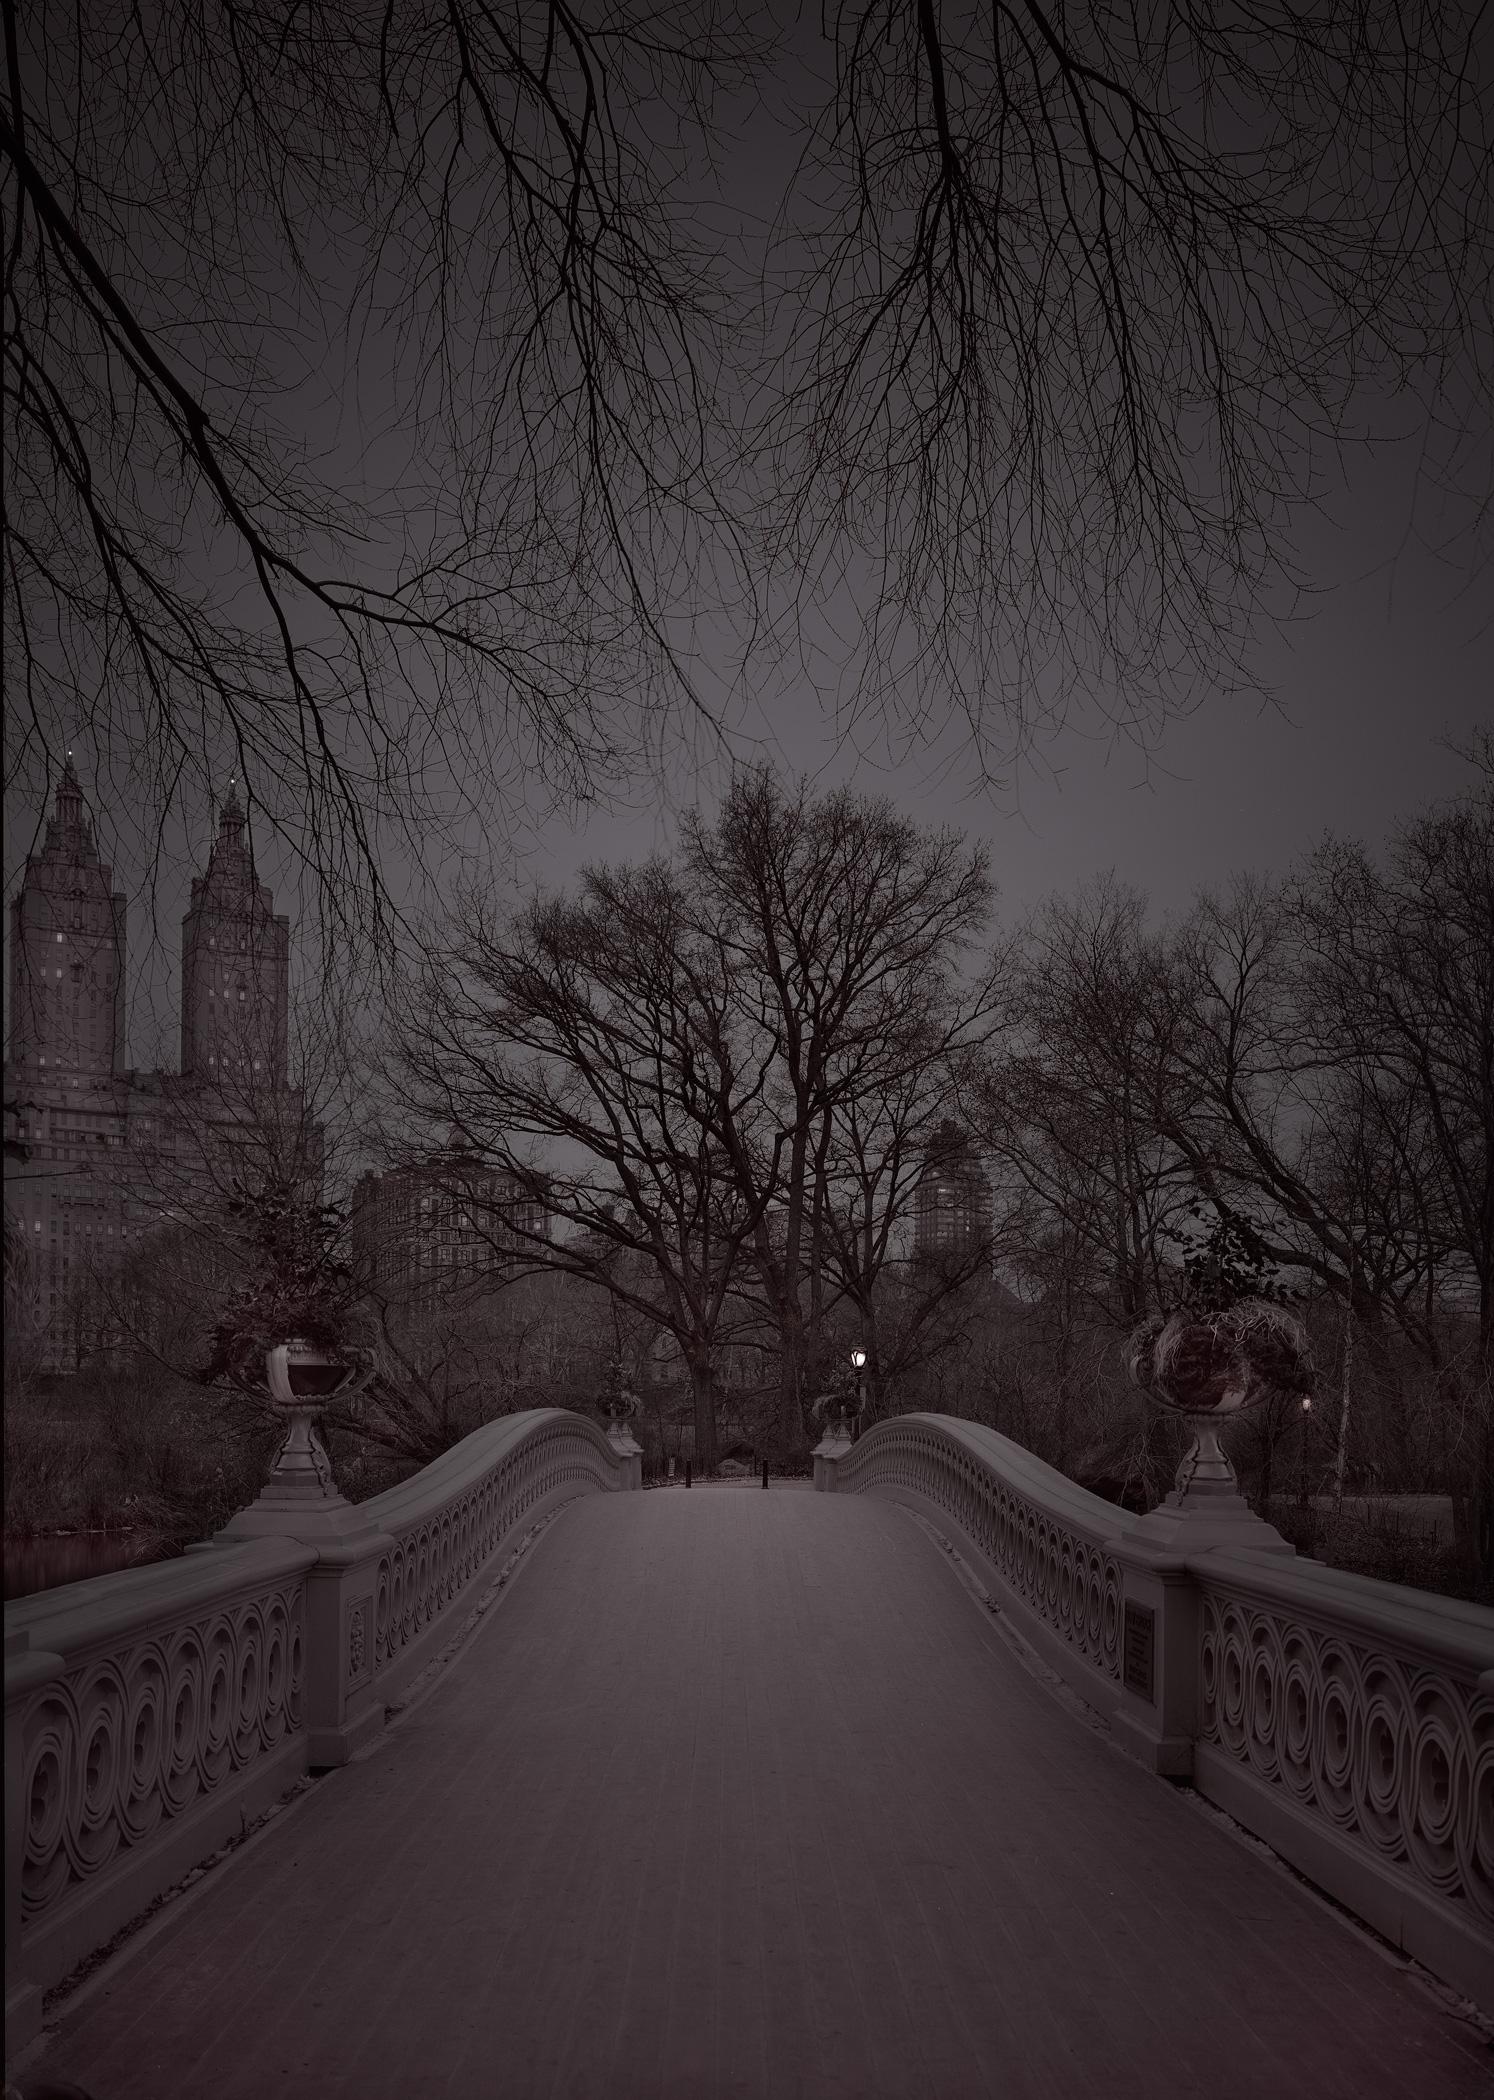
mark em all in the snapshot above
pixel 1348 1722
pixel 1043 1546
pixel 149 1714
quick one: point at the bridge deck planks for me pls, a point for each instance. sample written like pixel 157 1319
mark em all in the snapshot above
pixel 741 1794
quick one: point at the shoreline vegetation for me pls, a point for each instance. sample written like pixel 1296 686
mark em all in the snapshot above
pixel 131 1459
pixel 128 1471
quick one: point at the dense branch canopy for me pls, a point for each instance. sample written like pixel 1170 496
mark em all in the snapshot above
pixel 388 392
pixel 1093 293
pixel 356 401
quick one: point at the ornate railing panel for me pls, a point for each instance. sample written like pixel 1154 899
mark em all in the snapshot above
pixel 1348 1722
pixel 446 1525
pixel 147 1713
pixel 142 1711
pixel 1360 1705
pixel 1044 1538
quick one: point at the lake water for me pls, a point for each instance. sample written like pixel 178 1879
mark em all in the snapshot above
pixel 45 1564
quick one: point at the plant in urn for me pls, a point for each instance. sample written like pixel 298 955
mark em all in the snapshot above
pixel 620 1404
pixel 288 1339
pixel 837 1409
pixel 1218 1355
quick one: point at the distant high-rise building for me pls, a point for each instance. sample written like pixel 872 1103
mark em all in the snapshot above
pixel 67 948
pixel 952 1201
pixel 235 966
pixel 422 1231
pixel 97 1155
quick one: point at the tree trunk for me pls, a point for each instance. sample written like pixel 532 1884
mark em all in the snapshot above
pixel 703 1395
pixel 1270 1428
pixel 791 1385
pixel 1342 1454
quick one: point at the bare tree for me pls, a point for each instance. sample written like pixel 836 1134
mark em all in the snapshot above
pixel 1397 986
pixel 582 1045
pixel 382 387
pixel 1064 1099
pixel 458 221
pixel 1091 293
pixel 908 1306
pixel 680 1044
pixel 1319 1056
pixel 843 930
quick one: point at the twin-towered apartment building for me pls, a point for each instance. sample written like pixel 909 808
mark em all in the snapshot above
pixel 99 1155
pixel 92 1146
pixel 96 1152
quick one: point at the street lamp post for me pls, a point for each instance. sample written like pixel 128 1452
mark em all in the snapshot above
pixel 858 1360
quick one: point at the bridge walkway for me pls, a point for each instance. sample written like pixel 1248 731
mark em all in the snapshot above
pixel 744 1794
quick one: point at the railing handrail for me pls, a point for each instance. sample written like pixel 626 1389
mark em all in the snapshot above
pixel 127 1599
pixel 1018 1468
pixel 79 1615
pixel 1455 1632
pixel 1246 1671
pixel 419 1497
pixel 196 1691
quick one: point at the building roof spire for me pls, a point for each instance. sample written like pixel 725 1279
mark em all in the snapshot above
pixel 230 865
pixel 69 832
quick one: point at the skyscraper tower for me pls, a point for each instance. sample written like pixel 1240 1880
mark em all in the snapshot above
pixel 952 1202
pixel 235 967
pixel 67 947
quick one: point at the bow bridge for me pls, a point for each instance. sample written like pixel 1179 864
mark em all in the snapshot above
pixel 948 1779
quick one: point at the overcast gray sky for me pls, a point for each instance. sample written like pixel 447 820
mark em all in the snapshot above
pixel 1390 655
pixel 1387 653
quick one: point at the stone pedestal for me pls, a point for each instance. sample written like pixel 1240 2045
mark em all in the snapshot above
pixel 1191 1522
pixel 628 1450
pixel 300 1499
pixel 1157 1718
pixel 833 1445
pixel 344 1710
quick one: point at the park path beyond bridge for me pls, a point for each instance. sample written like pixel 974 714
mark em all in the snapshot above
pixel 746 1794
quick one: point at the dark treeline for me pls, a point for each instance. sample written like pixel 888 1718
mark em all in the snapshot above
pixel 720 1072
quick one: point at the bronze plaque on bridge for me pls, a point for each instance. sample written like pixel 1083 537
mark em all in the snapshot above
pixel 1136 1661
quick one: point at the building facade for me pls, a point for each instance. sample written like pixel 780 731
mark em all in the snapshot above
pixel 98 1155
pixel 425 1232
pixel 952 1201
pixel 235 966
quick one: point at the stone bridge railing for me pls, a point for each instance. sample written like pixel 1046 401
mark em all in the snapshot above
pixel 1348 1722
pixel 150 1714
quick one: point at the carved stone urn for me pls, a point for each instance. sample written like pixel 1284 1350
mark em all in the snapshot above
pixel 620 1404
pixel 300 1489
pixel 837 1411
pixel 1209 1367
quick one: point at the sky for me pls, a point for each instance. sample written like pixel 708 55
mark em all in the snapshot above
pixel 1388 651
pixel 1385 660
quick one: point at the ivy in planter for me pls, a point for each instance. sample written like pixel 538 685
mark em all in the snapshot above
pixel 296 1285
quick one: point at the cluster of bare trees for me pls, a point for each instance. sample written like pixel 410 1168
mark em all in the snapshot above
pixel 1313 1056
pixel 720 1072
pixel 387 392
pixel 717 1070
